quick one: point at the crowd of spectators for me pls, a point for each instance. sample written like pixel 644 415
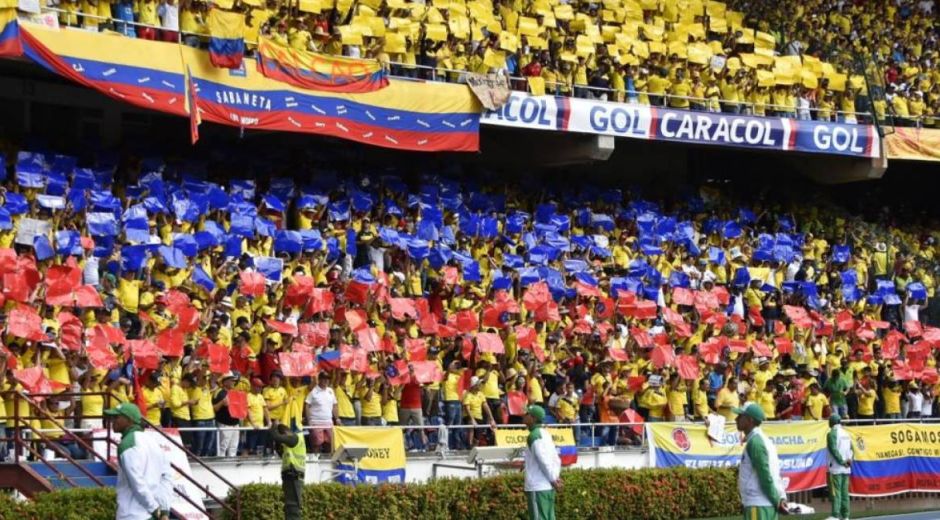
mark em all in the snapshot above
pixel 390 296
pixel 814 59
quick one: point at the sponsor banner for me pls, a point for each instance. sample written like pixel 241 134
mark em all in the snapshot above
pixel 405 115
pixel 534 112
pixel 836 138
pixel 801 447
pixel 895 458
pixel 644 122
pixel 913 144
pixel 563 437
pixel 614 119
pixel 385 460
pixel 768 133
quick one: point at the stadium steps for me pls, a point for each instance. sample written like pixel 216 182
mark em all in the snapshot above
pixel 64 474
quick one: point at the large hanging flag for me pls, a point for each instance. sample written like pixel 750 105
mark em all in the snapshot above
pixel 193 106
pixel 226 38
pixel 315 71
pixel 9 32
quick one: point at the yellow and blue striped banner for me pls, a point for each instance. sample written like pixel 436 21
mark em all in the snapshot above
pixel 317 71
pixel 895 458
pixel 385 460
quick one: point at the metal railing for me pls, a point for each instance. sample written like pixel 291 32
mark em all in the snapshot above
pixel 434 73
pixel 26 437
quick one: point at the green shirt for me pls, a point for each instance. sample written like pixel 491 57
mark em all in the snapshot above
pixel 837 387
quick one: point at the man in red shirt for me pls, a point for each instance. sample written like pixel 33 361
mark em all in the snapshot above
pixel 410 413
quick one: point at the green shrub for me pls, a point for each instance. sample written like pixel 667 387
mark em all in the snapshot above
pixel 65 504
pixel 75 504
pixel 653 494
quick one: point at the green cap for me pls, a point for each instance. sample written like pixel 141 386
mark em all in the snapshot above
pixel 536 411
pixel 128 410
pixel 752 410
pixel 834 419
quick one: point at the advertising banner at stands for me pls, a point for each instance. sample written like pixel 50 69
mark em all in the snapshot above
pixel 615 119
pixel 801 447
pixel 662 124
pixel 533 112
pixel 385 461
pixel 180 484
pixel 913 144
pixel 405 115
pixel 835 138
pixel 562 436
pixel 895 458
pixel 768 133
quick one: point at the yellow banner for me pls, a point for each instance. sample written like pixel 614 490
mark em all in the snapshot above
pixel 895 458
pixel 913 144
pixel 385 460
pixel 516 437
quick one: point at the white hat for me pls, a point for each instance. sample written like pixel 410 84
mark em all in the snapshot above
pixel 736 252
pixel 656 380
pixel 474 381
pixel 709 277
pixel 881 247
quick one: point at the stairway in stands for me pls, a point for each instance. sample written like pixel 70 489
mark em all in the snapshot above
pixel 64 474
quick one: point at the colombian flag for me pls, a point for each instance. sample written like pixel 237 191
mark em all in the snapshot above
pixel 194 119
pixel 226 38
pixel 9 33
pixel 314 71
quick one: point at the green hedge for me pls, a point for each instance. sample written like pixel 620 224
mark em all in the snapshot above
pixel 66 504
pixel 654 494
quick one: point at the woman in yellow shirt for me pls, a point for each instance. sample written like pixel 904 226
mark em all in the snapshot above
pixel 257 419
pixel 727 399
pixel 202 414
pixel 371 402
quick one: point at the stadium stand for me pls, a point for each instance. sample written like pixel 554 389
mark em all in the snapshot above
pixel 441 295
pixel 827 61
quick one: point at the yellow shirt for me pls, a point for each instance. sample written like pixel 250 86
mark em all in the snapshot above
pixel 814 406
pixel 491 385
pixel 768 404
pixel 153 398
pixel 725 401
pixel 372 406
pixel 451 382
pixel 275 397
pixel 892 401
pixel 474 403
pixel 344 406
pixel 92 405
pixel 256 409
pixel 129 294
pixel 202 410
pixel 655 402
pixel 700 403
pixel 567 410
pixel 390 411
pixel 178 406
pixel 866 402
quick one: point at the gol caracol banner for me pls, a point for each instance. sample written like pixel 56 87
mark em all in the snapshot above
pixel 801 447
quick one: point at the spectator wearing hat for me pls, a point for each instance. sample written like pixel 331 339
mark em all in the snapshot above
pixel 840 451
pixel 542 467
pixel 228 425
pixel 322 413
pixel 477 410
pixel 762 492
pixel 144 473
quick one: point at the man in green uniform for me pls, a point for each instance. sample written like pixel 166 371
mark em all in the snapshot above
pixel 839 447
pixel 762 491
pixel 542 467
pixel 293 463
